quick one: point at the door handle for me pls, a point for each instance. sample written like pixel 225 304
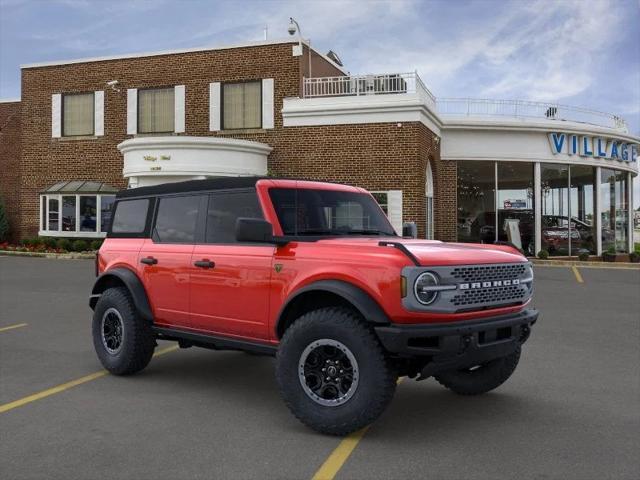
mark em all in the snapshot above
pixel 149 261
pixel 204 264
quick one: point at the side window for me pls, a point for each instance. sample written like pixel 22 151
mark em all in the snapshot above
pixel 130 216
pixel 225 209
pixel 176 219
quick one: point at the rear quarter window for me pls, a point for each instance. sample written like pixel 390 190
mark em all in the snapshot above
pixel 130 216
pixel 176 219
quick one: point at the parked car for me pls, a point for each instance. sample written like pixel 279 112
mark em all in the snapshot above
pixel 314 274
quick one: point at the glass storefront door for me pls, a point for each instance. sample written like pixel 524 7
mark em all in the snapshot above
pixel 476 202
pixel 582 201
pixel 554 181
pixel 614 196
pixel 515 204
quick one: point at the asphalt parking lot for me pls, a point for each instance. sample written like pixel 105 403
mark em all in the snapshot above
pixel 571 410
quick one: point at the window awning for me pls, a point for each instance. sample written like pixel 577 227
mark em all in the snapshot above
pixel 79 187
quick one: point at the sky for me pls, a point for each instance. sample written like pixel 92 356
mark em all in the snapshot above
pixel 576 52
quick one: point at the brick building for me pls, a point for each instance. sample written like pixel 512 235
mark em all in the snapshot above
pixel 459 169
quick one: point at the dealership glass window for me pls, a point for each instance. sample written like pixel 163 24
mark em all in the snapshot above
pixel 554 181
pixel 69 213
pixel 88 214
pixel 74 215
pixel 581 204
pixel 106 210
pixel 54 213
pixel 78 114
pixel 156 110
pixel 476 201
pixel 242 105
pixel 515 204
pixel 614 196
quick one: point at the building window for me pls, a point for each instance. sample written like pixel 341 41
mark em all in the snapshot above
pixel 156 110
pixel 383 200
pixel 614 196
pixel 515 205
pixel 429 197
pixel 66 211
pixel 78 114
pixel 242 105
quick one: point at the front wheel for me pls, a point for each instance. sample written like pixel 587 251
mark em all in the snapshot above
pixel 333 373
pixel 480 378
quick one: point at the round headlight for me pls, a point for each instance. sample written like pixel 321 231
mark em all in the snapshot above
pixel 422 288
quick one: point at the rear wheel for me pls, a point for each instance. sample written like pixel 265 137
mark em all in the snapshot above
pixel 480 378
pixel 123 341
pixel 332 372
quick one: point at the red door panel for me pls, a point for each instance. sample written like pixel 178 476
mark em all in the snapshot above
pixel 232 297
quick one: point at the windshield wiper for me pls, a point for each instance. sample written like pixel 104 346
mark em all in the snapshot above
pixel 367 232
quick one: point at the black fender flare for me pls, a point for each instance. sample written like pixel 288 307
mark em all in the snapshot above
pixel 131 282
pixel 370 310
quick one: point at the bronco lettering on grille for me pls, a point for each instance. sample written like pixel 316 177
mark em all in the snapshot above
pixel 494 283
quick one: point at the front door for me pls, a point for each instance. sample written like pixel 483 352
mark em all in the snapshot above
pixel 165 259
pixel 230 281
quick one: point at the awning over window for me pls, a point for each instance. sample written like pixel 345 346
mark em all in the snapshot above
pixel 79 187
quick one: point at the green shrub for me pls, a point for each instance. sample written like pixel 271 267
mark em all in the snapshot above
pixel 95 244
pixel 4 223
pixel 583 256
pixel 543 254
pixel 64 244
pixel 634 257
pixel 611 250
pixel 50 242
pixel 30 241
pixel 79 246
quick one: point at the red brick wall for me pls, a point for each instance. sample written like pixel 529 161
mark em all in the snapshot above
pixel 10 160
pixel 374 156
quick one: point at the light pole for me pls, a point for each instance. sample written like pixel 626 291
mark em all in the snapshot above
pixel 293 28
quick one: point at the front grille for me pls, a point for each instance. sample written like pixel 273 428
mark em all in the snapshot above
pixel 493 295
pixel 479 273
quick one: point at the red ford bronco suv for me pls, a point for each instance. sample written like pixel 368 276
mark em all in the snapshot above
pixel 314 274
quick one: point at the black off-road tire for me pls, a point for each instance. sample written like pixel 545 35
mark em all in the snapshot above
pixel 483 379
pixel 138 341
pixel 376 382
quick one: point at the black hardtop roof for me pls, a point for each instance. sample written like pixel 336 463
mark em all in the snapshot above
pixel 223 183
pixel 191 186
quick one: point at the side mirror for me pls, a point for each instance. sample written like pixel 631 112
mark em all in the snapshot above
pixel 253 230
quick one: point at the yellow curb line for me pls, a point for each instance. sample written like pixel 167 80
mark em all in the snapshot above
pixel 577 274
pixel 65 386
pixel 11 327
pixel 339 456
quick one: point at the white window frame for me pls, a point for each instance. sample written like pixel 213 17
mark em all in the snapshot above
pixel 179 111
pixel 77 233
pixel 429 203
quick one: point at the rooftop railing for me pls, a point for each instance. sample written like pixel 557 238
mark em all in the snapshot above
pixel 472 107
pixel 410 83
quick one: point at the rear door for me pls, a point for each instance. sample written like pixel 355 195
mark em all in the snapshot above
pixel 165 259
pixel 230 281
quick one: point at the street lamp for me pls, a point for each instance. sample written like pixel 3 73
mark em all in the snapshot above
pixel 293 28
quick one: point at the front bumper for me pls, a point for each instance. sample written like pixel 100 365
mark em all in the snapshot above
pixel 457 345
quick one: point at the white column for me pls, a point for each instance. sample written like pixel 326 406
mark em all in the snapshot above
pixel 630 212
pixel 537 207
pixel 267 103
pixel 598 219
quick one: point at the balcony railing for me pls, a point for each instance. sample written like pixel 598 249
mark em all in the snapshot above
pixel 410 83
pixel 356 85
pixel 471 107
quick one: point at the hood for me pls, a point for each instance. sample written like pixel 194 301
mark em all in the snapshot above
pixel 433 252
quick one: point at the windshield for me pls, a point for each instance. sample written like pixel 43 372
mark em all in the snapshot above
pixel 328 212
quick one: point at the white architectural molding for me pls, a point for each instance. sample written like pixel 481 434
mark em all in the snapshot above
pixel 598 207
pixel 397 108
pixel 132 111
pixel 537 206
pixel 179 109
pixel 152 160
pixel 267 103
pixel 214 107
pixel 98 111
pixel 56 115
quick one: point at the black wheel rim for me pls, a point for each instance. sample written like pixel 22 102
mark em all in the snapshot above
pixel 328 372
pixel 112 331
